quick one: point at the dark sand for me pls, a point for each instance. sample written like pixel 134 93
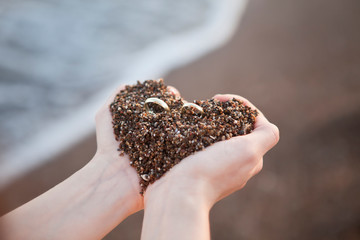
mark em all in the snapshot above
pixel 299 62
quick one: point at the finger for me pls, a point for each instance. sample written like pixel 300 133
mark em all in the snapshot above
pixel 260 119
pixel 265 134
pixel 227 97
pixel 176 93
pixel 113 95
pixel 258 167
pixel 173 91
pixel 104 128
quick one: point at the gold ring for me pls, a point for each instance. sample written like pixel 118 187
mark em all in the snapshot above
pixel 157 101
pixel 193 105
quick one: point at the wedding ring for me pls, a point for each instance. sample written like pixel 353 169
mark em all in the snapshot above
pixel 157 101
pixel 192 105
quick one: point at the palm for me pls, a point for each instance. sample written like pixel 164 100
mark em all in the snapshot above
pixel 226 166
pixel 107 147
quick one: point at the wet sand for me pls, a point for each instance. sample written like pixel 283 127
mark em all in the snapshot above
pixel 299 62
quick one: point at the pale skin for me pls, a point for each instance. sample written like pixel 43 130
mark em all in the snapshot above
pixel 94 200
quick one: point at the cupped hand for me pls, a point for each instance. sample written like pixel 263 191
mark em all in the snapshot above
pixel 107 152
pixel 213 173
pixel 220 169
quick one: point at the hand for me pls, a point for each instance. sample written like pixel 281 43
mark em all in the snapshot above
pixel 88 204
pixel 177 205
pixel 222 168
pixel 107 152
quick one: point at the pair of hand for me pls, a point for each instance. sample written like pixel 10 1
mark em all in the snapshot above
pixel 94 200
pixel 212 174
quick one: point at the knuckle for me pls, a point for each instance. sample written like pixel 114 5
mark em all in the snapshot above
pixel 251 154
pixel 250 148
pixel 243 185
pixel 259 167
pixel 244 148
pixel 275 133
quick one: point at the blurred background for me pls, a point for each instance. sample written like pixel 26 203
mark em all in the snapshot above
pixel 298 61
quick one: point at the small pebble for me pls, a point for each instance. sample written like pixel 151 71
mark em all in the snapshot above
pixel 157 141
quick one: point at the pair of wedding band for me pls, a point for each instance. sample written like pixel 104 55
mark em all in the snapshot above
pixel 162 104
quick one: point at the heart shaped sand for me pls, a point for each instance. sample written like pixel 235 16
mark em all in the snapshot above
pixel 157 138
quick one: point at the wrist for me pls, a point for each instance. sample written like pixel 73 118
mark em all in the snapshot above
pixel 180 189
pixel 87 205
pixel 172 212
pixel 115 181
